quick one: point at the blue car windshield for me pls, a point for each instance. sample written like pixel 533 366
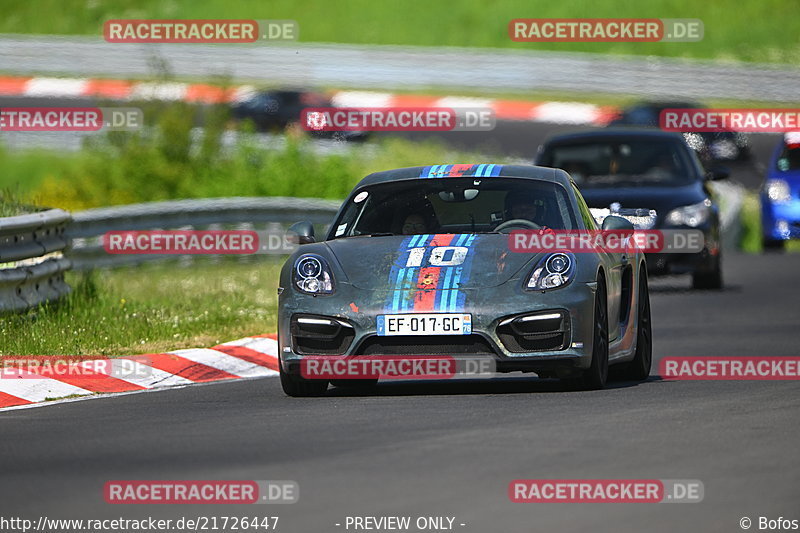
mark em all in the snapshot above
pixel 455 205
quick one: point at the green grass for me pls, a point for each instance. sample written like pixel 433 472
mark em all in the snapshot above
pixel 763 31
pixel 123 168
pixel 12 204
pixel 150 309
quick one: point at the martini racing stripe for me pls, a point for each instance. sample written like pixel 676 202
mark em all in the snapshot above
pixel 456 171
pixel 430 287
pixel 401 276
pixel 429 279
pixel 451 298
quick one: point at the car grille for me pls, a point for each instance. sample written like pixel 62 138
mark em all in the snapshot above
pixel 426 345
pixel 312 336
pixel 541 332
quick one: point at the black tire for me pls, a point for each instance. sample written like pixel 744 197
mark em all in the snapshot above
pixel 772 245
pixel 639 368
pixel 354 383
pixel 709 280
pixel 297 386
pixel 596 376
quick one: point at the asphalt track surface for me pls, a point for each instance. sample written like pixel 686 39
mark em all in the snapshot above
pixel 451 449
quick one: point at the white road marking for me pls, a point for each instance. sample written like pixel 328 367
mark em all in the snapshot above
pixel 39 389
pixel 227 363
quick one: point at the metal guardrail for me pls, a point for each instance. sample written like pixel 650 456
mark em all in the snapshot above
pixel 32 265
pixel 36 249
pixel 402 67
pixel 268 213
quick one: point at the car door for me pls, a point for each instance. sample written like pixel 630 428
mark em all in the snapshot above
pixel 614 265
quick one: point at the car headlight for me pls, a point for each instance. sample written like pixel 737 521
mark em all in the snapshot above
pixel 778 191
pixel 312 275
pixel 691 215
pixel 552 271
pixel 695 141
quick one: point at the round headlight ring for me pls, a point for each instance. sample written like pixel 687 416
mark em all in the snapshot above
pixel 309 267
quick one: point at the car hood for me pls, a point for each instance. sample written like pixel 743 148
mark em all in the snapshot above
pixel 662 199
pixel 376 263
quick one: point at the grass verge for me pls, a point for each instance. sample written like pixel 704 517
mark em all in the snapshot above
pixel 11 203
pixel 763 31
pixel 150 309
pixel 166 162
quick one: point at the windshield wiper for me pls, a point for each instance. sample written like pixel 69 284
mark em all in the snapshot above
pixel 377 235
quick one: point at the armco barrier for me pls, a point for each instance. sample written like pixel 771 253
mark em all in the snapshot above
pixel 32 264
pixel 396 67
pixel 36 249
pixel 268 213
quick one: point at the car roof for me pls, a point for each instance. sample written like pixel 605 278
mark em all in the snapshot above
pixel 621 132
pixel 476 170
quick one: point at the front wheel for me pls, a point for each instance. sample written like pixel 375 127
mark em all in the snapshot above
pixel 639 368
pixel 297 386
pixel 596 375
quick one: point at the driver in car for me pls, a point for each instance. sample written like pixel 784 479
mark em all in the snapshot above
pixel 414 224
pixel 523 207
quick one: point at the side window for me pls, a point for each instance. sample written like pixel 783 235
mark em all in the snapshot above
pixel 586 215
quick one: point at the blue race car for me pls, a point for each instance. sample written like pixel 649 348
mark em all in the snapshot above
pixel 780 195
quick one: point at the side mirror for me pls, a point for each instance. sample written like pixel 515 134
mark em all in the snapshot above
pixel 301 233
pixel 718 172
pixel 615 223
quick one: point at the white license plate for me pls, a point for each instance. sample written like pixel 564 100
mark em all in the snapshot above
pixel 425 324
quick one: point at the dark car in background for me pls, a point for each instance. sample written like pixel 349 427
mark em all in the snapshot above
pixel 710 146
pixel 780 194
pixel 652 172
pixel 278 109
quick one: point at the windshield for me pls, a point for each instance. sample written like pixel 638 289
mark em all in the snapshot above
pixel 452 205
pixel 621 161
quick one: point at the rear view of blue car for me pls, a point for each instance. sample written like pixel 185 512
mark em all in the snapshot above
pixel 780 195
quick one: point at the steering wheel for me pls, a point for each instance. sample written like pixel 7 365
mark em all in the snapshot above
pixel 517 222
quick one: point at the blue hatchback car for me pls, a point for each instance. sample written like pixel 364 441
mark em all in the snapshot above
pixel 780 195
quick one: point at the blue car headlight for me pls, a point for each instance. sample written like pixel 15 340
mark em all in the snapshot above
pixel 312 275
pixel 690 215
pixel 552 271
pixel 777 191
